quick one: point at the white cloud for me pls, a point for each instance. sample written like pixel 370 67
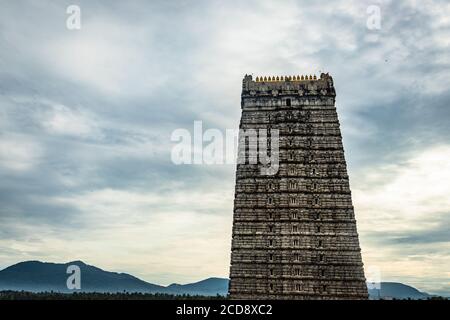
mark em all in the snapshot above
pixel 113 206
pixel 107 55
pixel 404 195
pixel 60 119
pixel 195 56
pixel 405 199
pixel 180 236
pixel 19 153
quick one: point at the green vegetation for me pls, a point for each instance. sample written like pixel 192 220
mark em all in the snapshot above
pixel 25 295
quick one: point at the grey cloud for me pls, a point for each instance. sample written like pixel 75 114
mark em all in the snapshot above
pixel 389 105
pixel 435 230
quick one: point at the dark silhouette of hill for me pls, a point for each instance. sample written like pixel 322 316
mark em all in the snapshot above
pixel 208 287
pixel 36 276
pixel 398 291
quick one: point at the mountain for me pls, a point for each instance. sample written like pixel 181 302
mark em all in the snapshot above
pixel 36 276
pixel 398 291
pixel 208 287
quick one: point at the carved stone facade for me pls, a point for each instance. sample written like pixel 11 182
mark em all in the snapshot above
pixel 294 233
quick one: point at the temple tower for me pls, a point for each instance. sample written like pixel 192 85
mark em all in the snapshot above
pixel 294 232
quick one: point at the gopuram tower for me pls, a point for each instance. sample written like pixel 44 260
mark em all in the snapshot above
pixel 294 231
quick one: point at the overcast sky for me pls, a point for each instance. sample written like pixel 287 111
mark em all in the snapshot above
pixel 86 117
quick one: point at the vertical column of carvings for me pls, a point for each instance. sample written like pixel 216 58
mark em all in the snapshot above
pixel 337 273
pixel 299 171
pixel 250 242
pixel 317 172
pixel 289 178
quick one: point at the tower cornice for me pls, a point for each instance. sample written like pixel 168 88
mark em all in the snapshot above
pixel 302 85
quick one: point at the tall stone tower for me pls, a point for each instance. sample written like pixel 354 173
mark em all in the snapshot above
pixel 294 232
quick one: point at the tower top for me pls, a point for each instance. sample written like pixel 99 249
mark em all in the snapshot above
pixel 285 78
pixel 263 84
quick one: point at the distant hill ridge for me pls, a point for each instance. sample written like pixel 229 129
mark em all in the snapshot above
pixel 36 276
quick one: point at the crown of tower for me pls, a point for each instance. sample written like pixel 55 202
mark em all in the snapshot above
pixel 285 78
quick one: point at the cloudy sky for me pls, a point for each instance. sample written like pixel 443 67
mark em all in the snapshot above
pixel 86 118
